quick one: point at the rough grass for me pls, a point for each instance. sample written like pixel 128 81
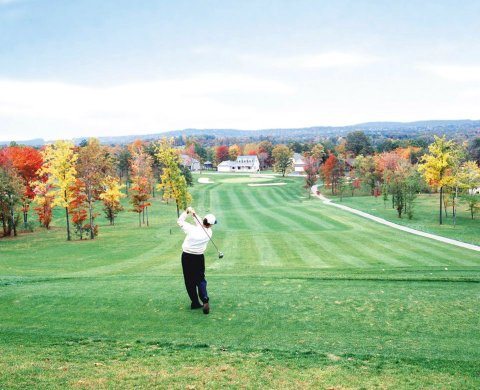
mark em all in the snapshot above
pixel 425 217
pixel 306 296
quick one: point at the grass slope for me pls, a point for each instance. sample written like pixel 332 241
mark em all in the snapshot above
pixel 306 296
pixel 425 216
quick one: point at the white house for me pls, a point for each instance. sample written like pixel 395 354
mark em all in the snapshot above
pixel 190 162
pixel 241 164
pixel 298 162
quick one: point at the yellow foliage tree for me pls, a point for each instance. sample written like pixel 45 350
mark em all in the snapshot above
pixel 59 166
pixel 234 151
pixel 436 164
pixel 111 195
pixel 172 182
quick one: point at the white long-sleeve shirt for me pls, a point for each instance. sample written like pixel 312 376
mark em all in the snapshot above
pixel 196 240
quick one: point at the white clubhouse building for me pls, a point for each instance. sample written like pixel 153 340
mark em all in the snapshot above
pixel 241 164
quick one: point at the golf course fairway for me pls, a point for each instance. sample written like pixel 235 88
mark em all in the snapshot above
pixel 307 296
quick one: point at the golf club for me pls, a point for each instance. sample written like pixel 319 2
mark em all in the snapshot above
pixel 220 254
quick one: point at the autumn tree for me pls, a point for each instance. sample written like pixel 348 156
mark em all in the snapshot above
pixel 26 161
pixel 250 149
pixel 93 165
pixel 139 195
pixel 11 192
pixel 59 167
pixel 172 182
pixel 265 149
pixel 435 165
pixel 221 154
pixel 469 179
pixel 78 207
pixel 43 200
pixel 142 174
pixel 317 152
pixel 366 170
pixel 234 151
pixel 110 196
pixel 282 159
pixel 402 182
pixel 332 171
pixel 311 169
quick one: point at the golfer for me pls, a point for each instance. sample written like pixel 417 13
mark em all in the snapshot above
pixel 193 261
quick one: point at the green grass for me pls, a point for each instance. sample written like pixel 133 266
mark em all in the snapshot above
pixel 425 216
pixel 307 296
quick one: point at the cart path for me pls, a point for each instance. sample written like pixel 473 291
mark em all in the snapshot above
pixel 395 225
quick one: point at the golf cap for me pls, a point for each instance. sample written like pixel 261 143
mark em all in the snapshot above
pixel 210 218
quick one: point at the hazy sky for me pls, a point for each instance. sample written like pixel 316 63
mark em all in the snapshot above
pixel 103 67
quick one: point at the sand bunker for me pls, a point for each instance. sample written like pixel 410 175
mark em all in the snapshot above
pixel 205 180
pixel 266 184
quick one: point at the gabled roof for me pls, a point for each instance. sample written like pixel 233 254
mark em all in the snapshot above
pixel 298 158
pixel 186 159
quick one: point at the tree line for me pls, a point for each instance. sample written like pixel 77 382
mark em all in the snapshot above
pixel 75 178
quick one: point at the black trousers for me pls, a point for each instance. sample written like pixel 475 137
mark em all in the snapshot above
pixel 194 275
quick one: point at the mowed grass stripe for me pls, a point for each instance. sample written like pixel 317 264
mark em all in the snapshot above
pixel 310 212
pixel 269 223
pixel 432 253
pixel 144 261
pixel 405 247
pixel 347 252
pixel 264 248
pixel 300 253
pixel 304 244
pixel 262 202
pixel 354 258
pixel 246 239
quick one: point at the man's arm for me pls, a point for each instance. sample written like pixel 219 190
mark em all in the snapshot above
pixel 196 217
pixel 186 227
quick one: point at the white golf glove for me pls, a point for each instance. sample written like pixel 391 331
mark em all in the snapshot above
pixel 190 210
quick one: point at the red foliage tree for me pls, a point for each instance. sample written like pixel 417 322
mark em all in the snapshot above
pixel 312 170
pixel 26 161
pixel 221 153
pixel 332 171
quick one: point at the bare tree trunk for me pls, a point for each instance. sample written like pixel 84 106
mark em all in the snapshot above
pixel 454 207
pixel 68 225
pixel 441 203
pixel 13 221
pixel 146 211
pixel 92 235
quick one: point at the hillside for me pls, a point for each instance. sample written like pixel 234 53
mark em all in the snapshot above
pixel 464 129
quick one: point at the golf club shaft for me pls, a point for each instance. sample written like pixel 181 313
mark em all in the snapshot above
pixel 210 238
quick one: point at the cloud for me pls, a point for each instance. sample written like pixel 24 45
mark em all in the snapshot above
pixel 325 60
pixel 462 73
pixel 151 106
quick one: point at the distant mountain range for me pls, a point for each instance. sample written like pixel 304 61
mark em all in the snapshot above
pixel 464 128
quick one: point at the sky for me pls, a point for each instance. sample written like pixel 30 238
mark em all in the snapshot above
pixel 104 68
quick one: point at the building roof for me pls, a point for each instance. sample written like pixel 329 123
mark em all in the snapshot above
pixel 298 158
pixel 187 160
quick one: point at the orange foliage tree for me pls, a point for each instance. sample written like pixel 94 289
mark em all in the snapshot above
pixel 78 207
pixel 26 161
